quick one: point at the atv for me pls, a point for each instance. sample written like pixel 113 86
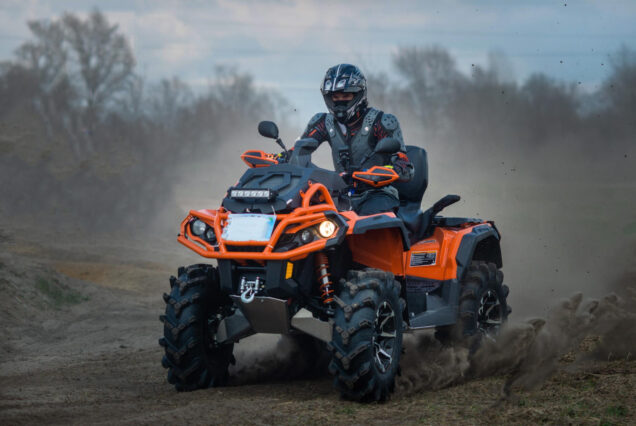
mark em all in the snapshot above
pixel 294 258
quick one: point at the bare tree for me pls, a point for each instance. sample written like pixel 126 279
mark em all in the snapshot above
pixel 46 59
pixel 170 100
pixel 430 79
pixel 237 95
pixel 620 88
pixel 46 55
pixel 79 67
pixel 104 59
pixel 132 102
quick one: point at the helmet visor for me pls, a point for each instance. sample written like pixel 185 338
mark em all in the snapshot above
pixel 341 85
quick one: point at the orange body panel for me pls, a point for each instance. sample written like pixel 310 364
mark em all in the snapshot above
pixel 444 243
pixel 379 248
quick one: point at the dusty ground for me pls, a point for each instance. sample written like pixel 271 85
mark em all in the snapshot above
pixel 80 325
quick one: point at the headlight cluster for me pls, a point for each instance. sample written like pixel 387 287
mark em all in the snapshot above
pixel 202 230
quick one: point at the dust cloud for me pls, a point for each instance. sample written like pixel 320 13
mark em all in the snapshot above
pixel 263 358
pixel 529 352
pixel 427 365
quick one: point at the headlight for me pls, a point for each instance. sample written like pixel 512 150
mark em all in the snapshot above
pixel 326 229
pixel 198 227
pixel 306 236
pixel 210 236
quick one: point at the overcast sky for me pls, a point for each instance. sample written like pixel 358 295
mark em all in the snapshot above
pixel 288 44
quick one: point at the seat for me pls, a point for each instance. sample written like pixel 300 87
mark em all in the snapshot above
pixel 419 223
pixel 411 192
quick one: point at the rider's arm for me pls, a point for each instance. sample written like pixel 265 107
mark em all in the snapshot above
pixel 389 126
pixel 316 128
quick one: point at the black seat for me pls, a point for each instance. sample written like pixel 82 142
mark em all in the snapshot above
pixel 419 223
pixel 411 192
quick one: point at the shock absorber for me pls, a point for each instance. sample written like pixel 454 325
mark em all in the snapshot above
pixel 322 273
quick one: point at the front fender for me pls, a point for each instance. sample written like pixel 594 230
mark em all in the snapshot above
pixel 381 221
pixel 378 241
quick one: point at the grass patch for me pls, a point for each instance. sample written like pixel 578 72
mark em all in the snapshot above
pixel 347 410
pixel 59 294
pixel 616 411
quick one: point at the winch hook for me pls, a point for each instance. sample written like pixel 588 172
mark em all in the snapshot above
pixel 248 295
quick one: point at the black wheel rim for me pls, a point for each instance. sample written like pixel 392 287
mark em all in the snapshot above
pixel 489 318
pixel 384 337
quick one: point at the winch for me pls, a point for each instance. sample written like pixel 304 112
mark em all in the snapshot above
pixel 249 288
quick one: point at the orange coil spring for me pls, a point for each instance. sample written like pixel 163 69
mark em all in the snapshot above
pixel 322 272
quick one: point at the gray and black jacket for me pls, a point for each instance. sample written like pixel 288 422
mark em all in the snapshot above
pixel 352 143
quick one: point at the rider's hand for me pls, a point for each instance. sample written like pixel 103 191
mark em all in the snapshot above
pixel 402 166
pixel 347 177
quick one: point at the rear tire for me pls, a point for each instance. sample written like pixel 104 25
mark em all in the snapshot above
pixel 483 307
pixel 193 311
pixel 367 338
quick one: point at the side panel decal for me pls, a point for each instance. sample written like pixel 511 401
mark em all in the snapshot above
pixel 423 258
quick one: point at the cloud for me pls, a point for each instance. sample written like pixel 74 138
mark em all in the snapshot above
pixel 14 14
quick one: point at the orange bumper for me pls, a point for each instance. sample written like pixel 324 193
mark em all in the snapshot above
pixel 301 218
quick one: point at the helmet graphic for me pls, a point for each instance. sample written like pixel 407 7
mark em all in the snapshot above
pixel 345 78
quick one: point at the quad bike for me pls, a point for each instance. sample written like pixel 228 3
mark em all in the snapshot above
pixel 294 258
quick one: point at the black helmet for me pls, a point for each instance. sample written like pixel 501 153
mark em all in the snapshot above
pixel 349 79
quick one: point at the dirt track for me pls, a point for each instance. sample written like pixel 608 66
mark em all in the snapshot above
pixel 83 349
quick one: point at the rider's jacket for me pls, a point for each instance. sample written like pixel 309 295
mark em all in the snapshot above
pixel 350 144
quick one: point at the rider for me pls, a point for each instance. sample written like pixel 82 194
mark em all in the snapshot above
pixel 353 129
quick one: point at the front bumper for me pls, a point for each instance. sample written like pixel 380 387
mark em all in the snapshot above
pixel 258 250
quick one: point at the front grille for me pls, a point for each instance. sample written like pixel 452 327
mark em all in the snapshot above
pixel 256 249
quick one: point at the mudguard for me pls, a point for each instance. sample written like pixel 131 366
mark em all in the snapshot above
pixel 482 243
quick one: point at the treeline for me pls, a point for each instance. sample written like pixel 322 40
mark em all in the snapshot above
pixel 83 134
pixel 488 109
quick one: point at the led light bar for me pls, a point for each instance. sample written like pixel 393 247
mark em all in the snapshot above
pixel 265 194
